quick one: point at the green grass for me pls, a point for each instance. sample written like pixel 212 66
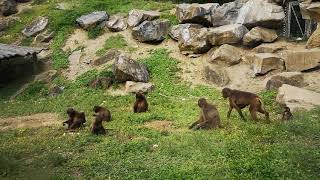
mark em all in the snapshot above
pixel 95 32
pixel 113 42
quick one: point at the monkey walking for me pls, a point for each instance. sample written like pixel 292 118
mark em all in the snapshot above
pixel 286 114
pixel 141 104
pixel 76 119
pixel 209 116
pixel 101 114
pixel 241 99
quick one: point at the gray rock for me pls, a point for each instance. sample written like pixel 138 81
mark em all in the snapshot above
pixel 176 30
pixel 291 78
pixel 138 16
pixel 266 62
pixel 301 60
pixel 116 24
pixel 55 90
pixel 151 31
pixel 44 37
pixel 112 54
pixel 225 54
pixel 126 69
pixel 258 35
pixel 92 19
pixel 217 76
pixel 8 7
pixel 194 40
pixel 134 87
pixel 101 83
pixel 226 14
pixel 36 27
pixel 228 34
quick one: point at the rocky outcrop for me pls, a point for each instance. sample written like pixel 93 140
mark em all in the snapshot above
pixel 301 60
pixel 314 40
pixel 101 83
pixel 194 40
pixel 226 14
pixel 138 16
pixel 258 35
pixel 225 54
pixel 8 7
pixel 92 19
pixel 36 27
pixel 151 31
pixel 126 69
pixel 290 78
pixel 116 24
pixel 112 54
pixel 228 34
pixel 216 76
pixel 310 10
pixel 134 87
pixel 263 63
pixel 297 98
pixel 176 30
pixel 196 13
pixel 261 13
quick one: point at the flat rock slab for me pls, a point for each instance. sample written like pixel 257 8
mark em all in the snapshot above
pixel 290 78
pixel 92 19
pixel 36 27
pixel 134 87
pixel 301 60
pixel 137 16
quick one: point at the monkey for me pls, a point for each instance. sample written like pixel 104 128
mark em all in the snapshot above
pixel 209 116
pixel 76 119
pixel 141 104
pixel 286 114
pixel 241 99
pixel 101 114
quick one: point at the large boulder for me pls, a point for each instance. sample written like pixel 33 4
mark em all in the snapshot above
pixel 258 35
pixel 194 40
pixel 228 34
pixel 262 63
pixel 301 60
pixel 261 13
pixel 134 87
pixel 176 30
pixel 116 23
pixel 195 13
pixel 291 78
pixel 35 27
pixel 310 10
pixel 225 54
pixel 297 98
pixel 92 19
pixel 226 14
pixel 126 69
pixel 8 7
pixel 314 40
pixel 216 76
pixel 151 31
pixel 138 16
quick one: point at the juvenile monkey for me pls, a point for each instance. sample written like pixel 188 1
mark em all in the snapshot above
pixel 141 104
pixel 76 119
pixel 101 114
pixel 241 99
pixel 286 114
pixel 209 116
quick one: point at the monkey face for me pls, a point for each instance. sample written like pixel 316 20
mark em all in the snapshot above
pixel 139 95
pixel 226 93
pixel 202 102
pixel 70 111
pixel 96 109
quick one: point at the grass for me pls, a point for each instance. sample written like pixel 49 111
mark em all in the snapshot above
pixel 113 42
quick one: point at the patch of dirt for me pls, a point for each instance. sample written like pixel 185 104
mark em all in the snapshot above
pixel 32 121
pixel 159 125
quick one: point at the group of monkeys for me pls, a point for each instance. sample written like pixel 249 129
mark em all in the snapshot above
pixel 209 115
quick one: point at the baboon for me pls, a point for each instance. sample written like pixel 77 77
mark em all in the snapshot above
pixel 101 114
pixel 286 114
pixel 141 104
pixel 241 99
pixel 209 116
pixel 76 119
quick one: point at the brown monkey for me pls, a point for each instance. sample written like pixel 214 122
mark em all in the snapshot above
pixel 209 116
pixel 76 119
pixel 101 114
pixel 241 99
pixel 286 114
pixel 141 104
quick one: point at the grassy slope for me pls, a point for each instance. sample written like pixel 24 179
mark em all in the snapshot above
pixel 240 150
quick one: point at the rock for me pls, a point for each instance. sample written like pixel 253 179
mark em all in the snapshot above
pixel 226 54
pixel 194 40
pixel 301 60
pixel 36 27
pixel 269 48
pixel 112 54
pixel 195 13
pixel 176 30
pixel 47 76
pixel 266 62
pixel 138 16
pixel 134 87
pixel 314 40
pixel 92 19
pixel 8 7
pixel 151 31
pixel 126 69
pixel 261 13
pixel 310 10
pixel 297 98
pixel 45 37
pixel 216 76
pixel 291 78
pixel 258 35
pixel 116 24
pixel 226 13
pixel 101 83
pixel 55 90
pixel 228 34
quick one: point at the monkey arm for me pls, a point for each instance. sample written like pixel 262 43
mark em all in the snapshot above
pixel 197 122
pixel 234 105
